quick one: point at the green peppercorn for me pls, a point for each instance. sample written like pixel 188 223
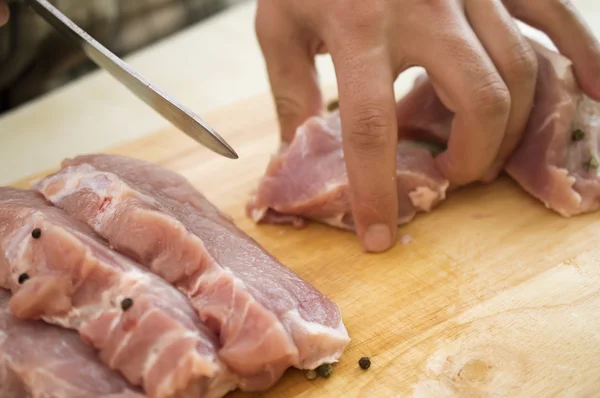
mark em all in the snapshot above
pixel 310 374
pixel 325 370
pixel 592 163
pixel 333 105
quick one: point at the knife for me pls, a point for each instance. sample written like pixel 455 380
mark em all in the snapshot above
pixel 177 114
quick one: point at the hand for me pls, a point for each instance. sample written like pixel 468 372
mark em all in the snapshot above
pixel 4 13
pixel 480 65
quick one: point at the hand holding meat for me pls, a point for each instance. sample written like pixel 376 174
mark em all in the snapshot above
pixel 480 66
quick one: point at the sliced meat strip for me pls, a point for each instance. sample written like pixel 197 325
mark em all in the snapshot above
pixel 307 180
pixel 60 271
pixel 38 360
pixel 266 316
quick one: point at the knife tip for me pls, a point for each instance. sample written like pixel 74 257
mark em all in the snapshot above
pixel 228 151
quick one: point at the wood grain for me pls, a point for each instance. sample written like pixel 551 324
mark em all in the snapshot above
pixel 495 295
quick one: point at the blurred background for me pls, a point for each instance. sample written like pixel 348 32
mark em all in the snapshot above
pixel 35 59
pixel 54 103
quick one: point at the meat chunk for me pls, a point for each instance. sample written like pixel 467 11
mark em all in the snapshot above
pixel 60 271
pixel 38 360
pixel 267 317
pixel 308 180
pixel 557 161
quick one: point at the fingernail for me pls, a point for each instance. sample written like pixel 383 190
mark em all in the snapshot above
pixel 378 238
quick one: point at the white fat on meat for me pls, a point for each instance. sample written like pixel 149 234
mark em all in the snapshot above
pixel 38 360
pixel 239 290
pixel 76 281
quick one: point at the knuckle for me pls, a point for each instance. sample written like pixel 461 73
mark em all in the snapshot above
pixel 491 98
pixel 435 6
pixel 369 129
pixel 523 65
pixel 288 109
pixel 563 7
pixel 358 15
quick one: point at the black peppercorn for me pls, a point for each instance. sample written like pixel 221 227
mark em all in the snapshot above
pixel 578 135
pixel 22 278
pixel 126 304
pixel 325 370
pixel 364 363
pixel 36 233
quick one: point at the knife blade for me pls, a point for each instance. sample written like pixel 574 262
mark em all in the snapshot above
pixel 180 116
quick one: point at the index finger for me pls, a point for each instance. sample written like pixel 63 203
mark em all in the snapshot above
pixel 369 130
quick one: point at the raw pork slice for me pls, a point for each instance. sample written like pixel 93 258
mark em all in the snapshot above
pixel 308 180
pixel 557 161
pixel 267 317
pixel 38 360
pixel 62 272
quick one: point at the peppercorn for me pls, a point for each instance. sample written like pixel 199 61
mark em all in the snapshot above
pixel 36 233
pixel 126 304
pixel 22 278
pixel 592 163
pixel 364 363
pixel 578 135
pixel 325 370
pixel 333 105
pixel 310 374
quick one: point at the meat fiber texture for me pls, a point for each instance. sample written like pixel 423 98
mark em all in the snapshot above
pixel 76 281
pixel 267 317
pixel 307 180
pixel 38 360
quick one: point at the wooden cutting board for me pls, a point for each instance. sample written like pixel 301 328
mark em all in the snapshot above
pixel 495 295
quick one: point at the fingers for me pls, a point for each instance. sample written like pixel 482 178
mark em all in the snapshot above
pixel 4 13
pixel 568 31
pixel 469 85
pixel 365 85
pixel 291 69
pixel 516 63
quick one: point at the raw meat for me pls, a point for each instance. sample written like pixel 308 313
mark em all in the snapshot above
pixel 62 272
pixel 267 317
pixel 552 163
pixel 38 360
pixel 308 180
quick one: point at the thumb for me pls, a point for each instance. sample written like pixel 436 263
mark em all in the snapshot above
pixel 4 13
pixel 291 69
